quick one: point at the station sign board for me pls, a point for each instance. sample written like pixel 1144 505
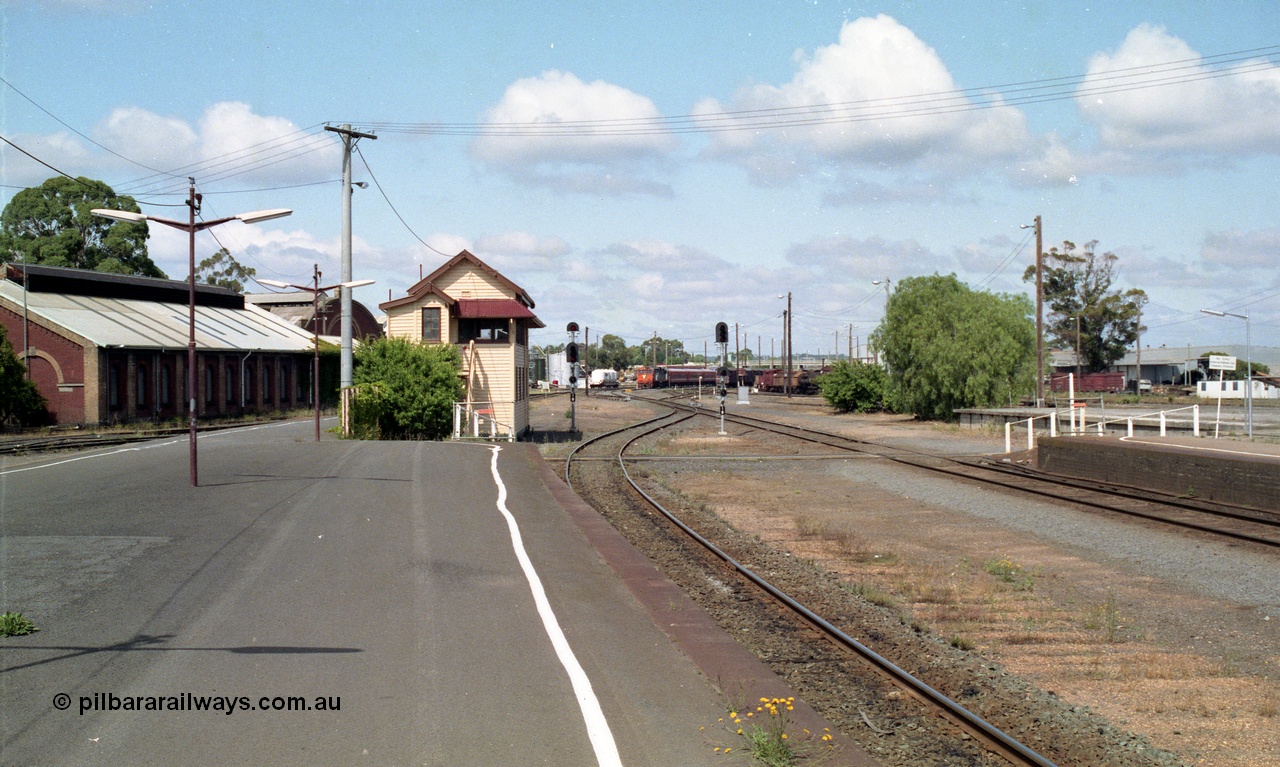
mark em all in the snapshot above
pixel 1221 362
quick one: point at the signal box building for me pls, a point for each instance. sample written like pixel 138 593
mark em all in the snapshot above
pixel 105 348
pixel 469 304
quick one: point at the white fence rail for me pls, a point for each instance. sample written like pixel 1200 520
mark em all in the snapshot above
pixel 477 422
pixel 1078 424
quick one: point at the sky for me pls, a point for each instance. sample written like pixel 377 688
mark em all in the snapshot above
pixel 658 167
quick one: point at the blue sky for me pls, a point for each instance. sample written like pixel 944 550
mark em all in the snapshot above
pixel 687 222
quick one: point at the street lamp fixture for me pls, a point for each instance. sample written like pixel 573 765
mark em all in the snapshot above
pixel 190 226
pixel 1248 357
pixel 315 289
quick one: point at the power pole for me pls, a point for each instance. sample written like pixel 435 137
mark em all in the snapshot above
pixel 1039 315
pixel 737 351
pixel 1139 353
pixel 349 139
pixel 790 354
pixel 850 342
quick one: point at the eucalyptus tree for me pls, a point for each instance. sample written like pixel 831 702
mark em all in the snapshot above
pixel 1085 313
pixel 51 224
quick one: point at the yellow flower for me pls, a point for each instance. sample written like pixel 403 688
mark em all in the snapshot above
pixel 784 736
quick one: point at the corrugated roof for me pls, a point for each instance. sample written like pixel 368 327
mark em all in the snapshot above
pixel 486 308
pixel 156 325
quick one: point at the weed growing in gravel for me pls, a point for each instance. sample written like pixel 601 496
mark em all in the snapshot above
pixel 15 624
pixel 1106 618
pixel 872 594
pixel 1010 572
pixel 766 733
pixel 848 543
pixel 961 643
pixel 1269 708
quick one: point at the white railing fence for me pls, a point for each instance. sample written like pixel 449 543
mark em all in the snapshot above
pixel 1078 425
pixel 476 421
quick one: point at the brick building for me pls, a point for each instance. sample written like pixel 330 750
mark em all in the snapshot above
pixel 106 348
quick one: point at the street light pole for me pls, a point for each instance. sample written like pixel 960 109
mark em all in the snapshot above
pixel 191 227
pixel 1248 357
pixel 315 290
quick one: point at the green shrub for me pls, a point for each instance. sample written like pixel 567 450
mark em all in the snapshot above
pixel 405 389
pixel 854 387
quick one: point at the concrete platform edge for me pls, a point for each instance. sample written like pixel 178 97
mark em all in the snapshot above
pixel 727 665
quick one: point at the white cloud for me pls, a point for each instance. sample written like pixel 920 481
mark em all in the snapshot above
pixel 1201 111
pixel 149 138
pixel 546 149
pixel 62 150
pixel 863 92
pixel 229 145
pixel 1240 250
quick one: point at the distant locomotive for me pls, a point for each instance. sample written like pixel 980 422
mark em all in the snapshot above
pixel 801 381
pixel 663 377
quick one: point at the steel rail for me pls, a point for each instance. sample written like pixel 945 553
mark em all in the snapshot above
pixel 912 459
pixel 996 739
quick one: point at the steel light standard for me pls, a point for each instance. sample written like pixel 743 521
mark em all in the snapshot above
pixel 1248 356
pixel 191 227
pixel 315 289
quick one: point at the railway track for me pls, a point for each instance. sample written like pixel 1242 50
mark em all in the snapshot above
pixel 994 740
pixel 17 445
pixel 1241 523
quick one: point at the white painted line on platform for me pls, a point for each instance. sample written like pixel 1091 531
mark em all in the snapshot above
pixel 1131 440
pixel 597 727
pixel 87 457
pixel 185 439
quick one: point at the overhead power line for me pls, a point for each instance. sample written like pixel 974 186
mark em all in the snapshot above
pixel 918 105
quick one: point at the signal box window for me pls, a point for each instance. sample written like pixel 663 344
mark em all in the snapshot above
pixel 431 324
pixel 483 331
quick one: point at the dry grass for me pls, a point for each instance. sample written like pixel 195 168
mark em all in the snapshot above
pixel 1045 615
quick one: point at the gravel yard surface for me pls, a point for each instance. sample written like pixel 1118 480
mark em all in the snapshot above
pixel 1096 641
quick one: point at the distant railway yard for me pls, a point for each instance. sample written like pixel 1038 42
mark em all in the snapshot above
pixel 1093 625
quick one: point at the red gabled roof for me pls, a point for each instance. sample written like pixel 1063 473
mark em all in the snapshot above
pixel 496 308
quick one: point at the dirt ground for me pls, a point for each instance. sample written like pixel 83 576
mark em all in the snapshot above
pixel 1197 676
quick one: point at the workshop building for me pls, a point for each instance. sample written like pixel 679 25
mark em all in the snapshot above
pixel 106 348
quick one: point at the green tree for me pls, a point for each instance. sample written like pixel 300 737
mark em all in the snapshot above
pixel 670 351
pixel 611 352
pixel 417 385
pixel 947 347
pixel 854 387
pixel 51 224
pixel 1084 312
pixel 223 270
pixel 20 401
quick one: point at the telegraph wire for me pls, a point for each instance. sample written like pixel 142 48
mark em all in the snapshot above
pixel 73 178
pixel 64 124
pixel 943 102
pixel 393 207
